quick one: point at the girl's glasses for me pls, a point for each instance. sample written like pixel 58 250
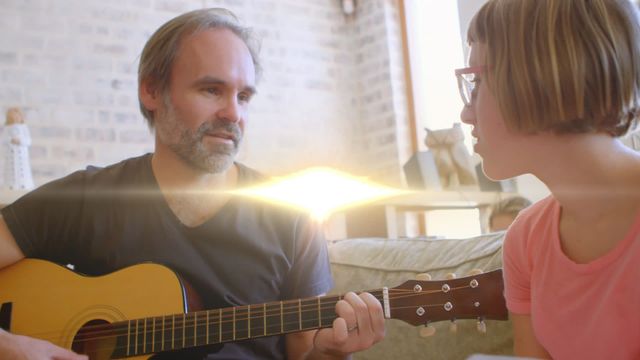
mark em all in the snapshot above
pixel 467 82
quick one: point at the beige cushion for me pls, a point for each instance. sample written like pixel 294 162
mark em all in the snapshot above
pixel 371 263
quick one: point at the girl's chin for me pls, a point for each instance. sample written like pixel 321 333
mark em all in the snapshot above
pixel 499 174
pixel 494 173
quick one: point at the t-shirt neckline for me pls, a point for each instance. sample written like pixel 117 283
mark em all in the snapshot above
pixel 165 206
pixel 600 262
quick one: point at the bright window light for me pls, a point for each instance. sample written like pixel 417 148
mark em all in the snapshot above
pixel 435 51
pixel 454 224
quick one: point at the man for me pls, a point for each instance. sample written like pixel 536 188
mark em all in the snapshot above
pixel 196 78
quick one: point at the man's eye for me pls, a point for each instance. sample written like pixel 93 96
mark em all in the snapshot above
pixel 244 97
pixel 212 91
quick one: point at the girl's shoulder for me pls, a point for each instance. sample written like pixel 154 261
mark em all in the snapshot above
pixel 534 224
pixel 539 213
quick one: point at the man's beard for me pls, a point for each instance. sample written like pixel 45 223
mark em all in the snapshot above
pixel 189 145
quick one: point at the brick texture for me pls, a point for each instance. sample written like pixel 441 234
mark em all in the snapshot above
pixel 332 92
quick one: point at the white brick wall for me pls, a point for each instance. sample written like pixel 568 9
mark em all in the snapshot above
pixel 332 93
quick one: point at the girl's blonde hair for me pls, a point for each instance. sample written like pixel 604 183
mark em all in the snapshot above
pixel 567 66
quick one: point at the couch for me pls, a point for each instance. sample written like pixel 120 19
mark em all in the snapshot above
pixel 371 263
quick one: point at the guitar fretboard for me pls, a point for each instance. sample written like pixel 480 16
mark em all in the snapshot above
pixel 179 331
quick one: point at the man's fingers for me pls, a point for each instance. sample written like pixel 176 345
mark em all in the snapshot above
pixel 64 354
pixel 345 309
pixel 376 315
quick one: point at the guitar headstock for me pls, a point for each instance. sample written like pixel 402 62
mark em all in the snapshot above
pixel 419 302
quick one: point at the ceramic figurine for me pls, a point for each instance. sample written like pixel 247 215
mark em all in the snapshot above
pixel 16 141
pixel 451 156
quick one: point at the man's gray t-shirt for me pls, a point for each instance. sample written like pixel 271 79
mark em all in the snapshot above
pixel 250 252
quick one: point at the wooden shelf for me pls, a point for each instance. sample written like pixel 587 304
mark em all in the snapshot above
pixel 380 219
pixel 443 200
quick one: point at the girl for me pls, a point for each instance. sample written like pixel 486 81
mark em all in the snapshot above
pixel 550 87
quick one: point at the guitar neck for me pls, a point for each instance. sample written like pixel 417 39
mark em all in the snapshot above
pixel 179 331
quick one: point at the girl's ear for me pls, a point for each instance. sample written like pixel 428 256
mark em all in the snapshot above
pixel 149 97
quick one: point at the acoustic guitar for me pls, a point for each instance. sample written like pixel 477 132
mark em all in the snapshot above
pixel 144 309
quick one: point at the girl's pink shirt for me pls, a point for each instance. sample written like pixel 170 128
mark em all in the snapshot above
pixel 578 311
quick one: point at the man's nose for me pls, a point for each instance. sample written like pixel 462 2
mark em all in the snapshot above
pixel 230 110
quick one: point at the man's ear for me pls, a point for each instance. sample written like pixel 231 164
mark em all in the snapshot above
pixel 149 96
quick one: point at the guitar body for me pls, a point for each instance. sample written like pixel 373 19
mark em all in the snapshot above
pixel 50 302
pixel 145 309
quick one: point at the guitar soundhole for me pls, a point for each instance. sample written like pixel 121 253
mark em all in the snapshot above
pixel 93 339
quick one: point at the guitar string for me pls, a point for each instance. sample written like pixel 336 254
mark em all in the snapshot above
pixel 96 332
pixel 227 312
pixel 192 340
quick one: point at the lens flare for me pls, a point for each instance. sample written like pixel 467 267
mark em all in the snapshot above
pixel 319 191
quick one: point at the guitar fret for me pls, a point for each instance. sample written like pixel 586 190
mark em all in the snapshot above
pixel 173 331
pixel 135 339
pixel 291 316
pixel 165 333
pixel 153 336
pixel 195 329
pixel 256 321
pixel 207 341
pixel 144 336
pixel 299 314
pixel 212 326
pixel 157 334
pixel 309 314
pixel 273 317
pixel 264 318
pixel 234 323
pixel 128 337
pixel 281 317
pixel 319 314
pixel 202 328
pixel 138 337
pixel 220 325
pixel 183 330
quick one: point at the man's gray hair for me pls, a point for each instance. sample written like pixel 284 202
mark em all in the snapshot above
pixel 160 50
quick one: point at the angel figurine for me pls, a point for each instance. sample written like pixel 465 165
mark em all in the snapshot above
pixel 16 141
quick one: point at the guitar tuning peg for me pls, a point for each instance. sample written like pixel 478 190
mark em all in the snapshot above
pixel 450 276
pixel 427 330
pixel 481 326
pixel 475 272
pixel 423 277
pixel 453 327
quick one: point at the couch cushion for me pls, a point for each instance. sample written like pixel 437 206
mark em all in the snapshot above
pixel 370 263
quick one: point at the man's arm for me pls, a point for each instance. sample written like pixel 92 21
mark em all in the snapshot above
pixel 16 346
pixel 524 339
pixel 360 325
pixel 9 251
